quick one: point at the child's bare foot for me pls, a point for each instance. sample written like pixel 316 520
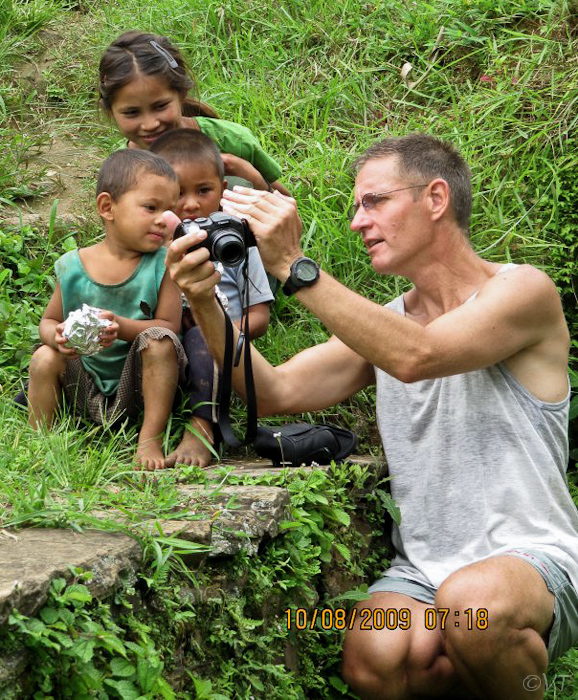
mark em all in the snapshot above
pixel 149 455
pixel 191 450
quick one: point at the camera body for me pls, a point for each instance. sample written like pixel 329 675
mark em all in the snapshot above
pixel 227 237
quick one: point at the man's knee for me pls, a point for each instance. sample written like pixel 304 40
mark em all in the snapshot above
pixel 46 361
pixel 370 672
pixel 485 611
pixel 467 588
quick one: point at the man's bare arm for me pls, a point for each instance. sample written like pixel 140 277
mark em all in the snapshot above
pixel 515 310
pixel 516 317
pixel 315 378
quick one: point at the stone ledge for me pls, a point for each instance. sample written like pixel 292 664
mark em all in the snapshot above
pixel 259 467
pixel 244 516
pixel 226 519
pixel 237 517
pixel 31 558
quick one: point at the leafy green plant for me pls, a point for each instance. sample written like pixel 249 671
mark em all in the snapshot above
pixel 25 282
pixel 240 636
pixel 81 651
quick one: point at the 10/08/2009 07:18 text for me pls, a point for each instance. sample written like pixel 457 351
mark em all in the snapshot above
pixel 383 618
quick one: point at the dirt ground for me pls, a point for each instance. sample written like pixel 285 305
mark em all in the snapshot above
pixel 68 171
pixel 63 167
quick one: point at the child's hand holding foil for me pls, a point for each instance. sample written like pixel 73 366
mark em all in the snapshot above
pixel 86 331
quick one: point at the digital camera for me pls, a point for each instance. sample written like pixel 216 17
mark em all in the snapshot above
pixel 227 237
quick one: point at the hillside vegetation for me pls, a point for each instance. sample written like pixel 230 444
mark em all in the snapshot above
pixel 317 82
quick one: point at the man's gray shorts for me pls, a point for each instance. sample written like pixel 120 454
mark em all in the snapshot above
pixel 563 634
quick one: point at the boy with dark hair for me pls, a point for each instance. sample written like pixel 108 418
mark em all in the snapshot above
pixel 124 275
pixel 197 162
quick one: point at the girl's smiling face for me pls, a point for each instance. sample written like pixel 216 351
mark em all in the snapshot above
pixel 145 108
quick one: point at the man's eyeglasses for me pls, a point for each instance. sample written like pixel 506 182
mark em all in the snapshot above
pixel 372 199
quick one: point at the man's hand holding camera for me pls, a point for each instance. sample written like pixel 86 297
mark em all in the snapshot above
pixel 192 270
pixel 275 223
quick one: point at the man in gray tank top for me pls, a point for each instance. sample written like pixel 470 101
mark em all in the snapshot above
pixel 472 407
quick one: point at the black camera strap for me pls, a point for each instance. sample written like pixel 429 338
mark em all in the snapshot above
pixel 244 348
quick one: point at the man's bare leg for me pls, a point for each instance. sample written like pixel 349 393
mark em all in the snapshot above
pixel 495 662
pixel 191 449
pixel 159 383
pixel 397 664
pixel 45 390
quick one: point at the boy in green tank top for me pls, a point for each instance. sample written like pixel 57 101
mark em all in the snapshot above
pixel 125 276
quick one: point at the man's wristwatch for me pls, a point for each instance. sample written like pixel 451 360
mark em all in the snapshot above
pixel 304 273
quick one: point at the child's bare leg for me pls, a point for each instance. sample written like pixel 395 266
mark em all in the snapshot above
pixel 192 450
pixel 45 390
pixel 159 383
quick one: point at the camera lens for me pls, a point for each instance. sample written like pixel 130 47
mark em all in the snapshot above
pixel 228 248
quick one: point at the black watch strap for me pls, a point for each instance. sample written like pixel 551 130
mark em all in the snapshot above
pixel 304 273
pixel 289 288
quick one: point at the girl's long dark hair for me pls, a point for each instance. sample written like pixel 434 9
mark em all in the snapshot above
pixel 138 53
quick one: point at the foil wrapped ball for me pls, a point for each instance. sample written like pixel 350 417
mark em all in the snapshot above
pixel 82 330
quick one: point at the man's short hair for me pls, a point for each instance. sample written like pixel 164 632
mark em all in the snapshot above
pixel 189 145
pixel 424 157
pixel 121 170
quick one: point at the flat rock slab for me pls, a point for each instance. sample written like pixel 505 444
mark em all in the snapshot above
pixel 225 519
pixel 260 467
pixel 31 558
pixel 241 516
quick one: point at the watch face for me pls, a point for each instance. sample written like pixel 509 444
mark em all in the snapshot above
pixel 306 270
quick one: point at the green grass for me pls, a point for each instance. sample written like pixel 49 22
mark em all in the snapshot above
pixel 317 82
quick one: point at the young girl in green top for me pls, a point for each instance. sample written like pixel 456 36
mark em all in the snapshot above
pixel 143 87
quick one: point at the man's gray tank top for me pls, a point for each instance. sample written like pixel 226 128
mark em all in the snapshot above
pixel 478 467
